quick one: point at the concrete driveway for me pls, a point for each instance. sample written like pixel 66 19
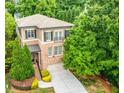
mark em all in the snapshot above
pixel 64 81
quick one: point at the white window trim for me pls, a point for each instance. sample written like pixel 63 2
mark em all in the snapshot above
pixel 61 51
pixel 48 40
pixel 29 30
pixel 55 30
pixel 62 34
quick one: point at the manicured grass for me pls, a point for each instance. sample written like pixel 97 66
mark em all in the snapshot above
pixel 38 90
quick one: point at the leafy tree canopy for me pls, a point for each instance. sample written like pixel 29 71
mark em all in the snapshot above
pixel 9 36
pixel 46 7
pixel 92 48
pixel 26 7
pixel 10 7
pixel 9 26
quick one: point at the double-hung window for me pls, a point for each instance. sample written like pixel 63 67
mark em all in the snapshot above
pixel 58 36
pixel 58 50
pixel 48 36
pixel 50 51
pixel 30 33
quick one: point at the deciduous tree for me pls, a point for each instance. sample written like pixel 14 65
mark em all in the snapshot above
pixel 92 48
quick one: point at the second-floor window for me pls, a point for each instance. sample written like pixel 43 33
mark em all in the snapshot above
pixel 30 33
pixel 58 36
pixel 48 36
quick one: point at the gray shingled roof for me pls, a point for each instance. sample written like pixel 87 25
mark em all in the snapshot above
pixel 34 48
pixel 41 21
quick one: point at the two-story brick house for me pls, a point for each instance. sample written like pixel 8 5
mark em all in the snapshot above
pixel 44 37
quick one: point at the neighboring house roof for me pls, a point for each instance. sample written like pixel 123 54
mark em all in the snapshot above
pixel 34 48
pixel 41 21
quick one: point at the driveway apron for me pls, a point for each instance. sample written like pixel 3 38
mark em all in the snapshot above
pixel 64 81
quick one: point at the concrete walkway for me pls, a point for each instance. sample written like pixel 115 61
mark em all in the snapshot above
pixel 64 81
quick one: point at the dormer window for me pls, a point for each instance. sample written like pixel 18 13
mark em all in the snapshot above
pixel 30 33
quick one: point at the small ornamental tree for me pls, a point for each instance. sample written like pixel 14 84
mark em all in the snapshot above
pixel 22 67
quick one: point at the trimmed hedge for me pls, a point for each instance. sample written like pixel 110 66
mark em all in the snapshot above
pixel 46 77
pixel 44 73
pixel 34 84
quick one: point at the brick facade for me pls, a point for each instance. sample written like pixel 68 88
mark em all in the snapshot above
pixel 44 59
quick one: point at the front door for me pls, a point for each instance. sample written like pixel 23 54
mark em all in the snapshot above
pixel 34 57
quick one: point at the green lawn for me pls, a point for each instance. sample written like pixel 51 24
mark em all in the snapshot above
pixel 39 90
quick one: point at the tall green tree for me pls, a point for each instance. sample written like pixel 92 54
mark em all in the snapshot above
pixel 46 7
pixel 93 46
pixel 10 7
pixel 9 26
pixel 9 37
pixel 22 67
pixel 26 7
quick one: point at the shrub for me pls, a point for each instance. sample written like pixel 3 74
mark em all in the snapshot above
pixel 44 73
pixel 34 84
pixel 22 67
pixel 47 78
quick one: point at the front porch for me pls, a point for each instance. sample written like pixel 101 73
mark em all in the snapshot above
pixel 36 54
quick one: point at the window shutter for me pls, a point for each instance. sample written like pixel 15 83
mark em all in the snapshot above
pixel 44 36
pixel 35 34
pixel 51 36
pixel 26 34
